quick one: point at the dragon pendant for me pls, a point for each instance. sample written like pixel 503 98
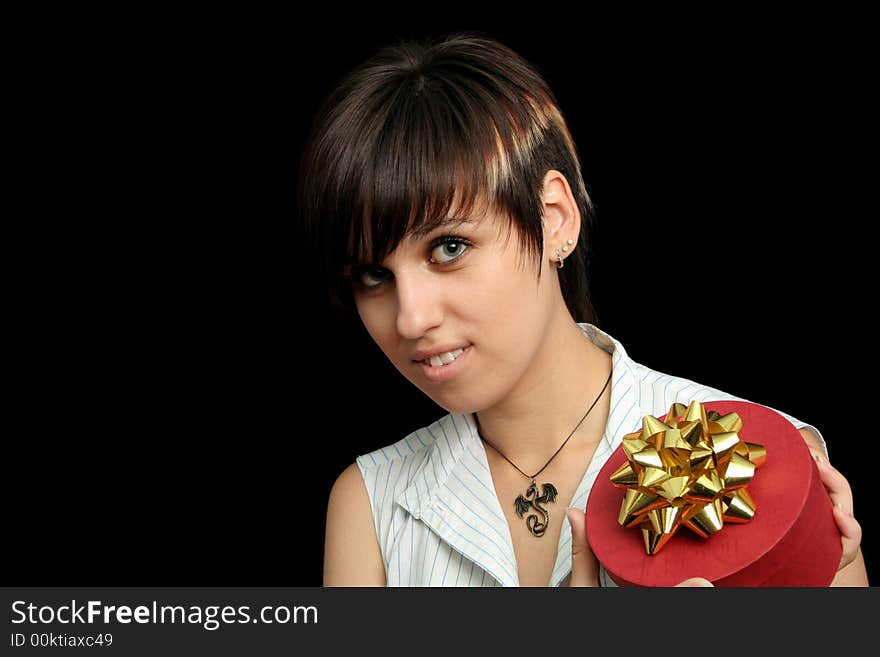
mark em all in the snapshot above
pixel 532 500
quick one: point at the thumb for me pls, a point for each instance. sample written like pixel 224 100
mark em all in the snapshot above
pixel 584 566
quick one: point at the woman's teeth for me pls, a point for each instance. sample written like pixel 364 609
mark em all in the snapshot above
pixel 445 359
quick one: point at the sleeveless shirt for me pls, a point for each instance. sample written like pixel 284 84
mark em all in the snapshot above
pixel 437 516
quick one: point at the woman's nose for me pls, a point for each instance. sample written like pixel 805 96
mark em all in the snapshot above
pixel 418 304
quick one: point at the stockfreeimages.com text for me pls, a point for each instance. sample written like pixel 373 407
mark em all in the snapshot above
pixel 211 617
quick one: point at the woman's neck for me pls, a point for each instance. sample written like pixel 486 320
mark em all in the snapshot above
pixel 567 375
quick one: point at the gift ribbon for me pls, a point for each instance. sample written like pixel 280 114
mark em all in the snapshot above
pixel 690 470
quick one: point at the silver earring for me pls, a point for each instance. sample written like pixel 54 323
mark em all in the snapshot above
pixel 559 260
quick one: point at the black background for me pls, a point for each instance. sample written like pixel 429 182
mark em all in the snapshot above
pixel 181 402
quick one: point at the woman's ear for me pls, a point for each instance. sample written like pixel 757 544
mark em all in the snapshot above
pixel 560 213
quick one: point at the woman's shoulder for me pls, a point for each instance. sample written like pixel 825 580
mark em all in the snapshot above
pixel 400 474
pixel 416 446
pixel 664 388
pixel 656 391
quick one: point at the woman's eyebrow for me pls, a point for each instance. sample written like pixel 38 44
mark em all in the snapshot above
pixel 423 231
pixel 417 234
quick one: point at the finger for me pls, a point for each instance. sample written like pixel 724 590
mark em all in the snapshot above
pixel 695 582
pixel 840 493
pixel 850 535
pixel 584 566
pixel 835 483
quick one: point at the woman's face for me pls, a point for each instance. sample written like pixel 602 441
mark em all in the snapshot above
pixel 461 287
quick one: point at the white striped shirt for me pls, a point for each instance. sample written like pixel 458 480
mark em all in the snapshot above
pixel 435 509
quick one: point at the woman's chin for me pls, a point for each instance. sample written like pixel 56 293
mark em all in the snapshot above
pixel 456 403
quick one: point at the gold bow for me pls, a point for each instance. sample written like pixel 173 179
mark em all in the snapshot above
pixel 690 470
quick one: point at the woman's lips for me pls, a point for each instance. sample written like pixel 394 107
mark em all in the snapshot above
pixel 439 373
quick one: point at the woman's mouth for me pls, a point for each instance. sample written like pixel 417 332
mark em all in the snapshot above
pixel 445 366
pixel 443 359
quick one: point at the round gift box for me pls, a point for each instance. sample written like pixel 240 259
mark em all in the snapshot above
pixel 792 540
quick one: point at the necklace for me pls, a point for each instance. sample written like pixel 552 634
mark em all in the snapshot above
pixel 548 491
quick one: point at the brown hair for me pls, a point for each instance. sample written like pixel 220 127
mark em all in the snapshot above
pixel 422 128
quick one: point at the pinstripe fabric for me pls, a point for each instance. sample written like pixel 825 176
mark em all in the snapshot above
pixel 436 513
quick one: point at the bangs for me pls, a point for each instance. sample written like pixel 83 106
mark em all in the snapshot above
pixel 394 202
pixel 432 155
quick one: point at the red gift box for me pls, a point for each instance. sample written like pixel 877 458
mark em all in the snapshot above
pixel 792 540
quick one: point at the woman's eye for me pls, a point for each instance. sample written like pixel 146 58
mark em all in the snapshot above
pixel 369 277
pixel 444 250
pixel 449 248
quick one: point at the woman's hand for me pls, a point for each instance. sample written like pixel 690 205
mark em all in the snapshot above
pixel 585 566
pixel 841 496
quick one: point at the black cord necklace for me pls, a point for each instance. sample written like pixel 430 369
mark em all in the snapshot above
pixel 548 491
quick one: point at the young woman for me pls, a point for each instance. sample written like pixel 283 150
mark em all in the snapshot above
pixel 443 189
